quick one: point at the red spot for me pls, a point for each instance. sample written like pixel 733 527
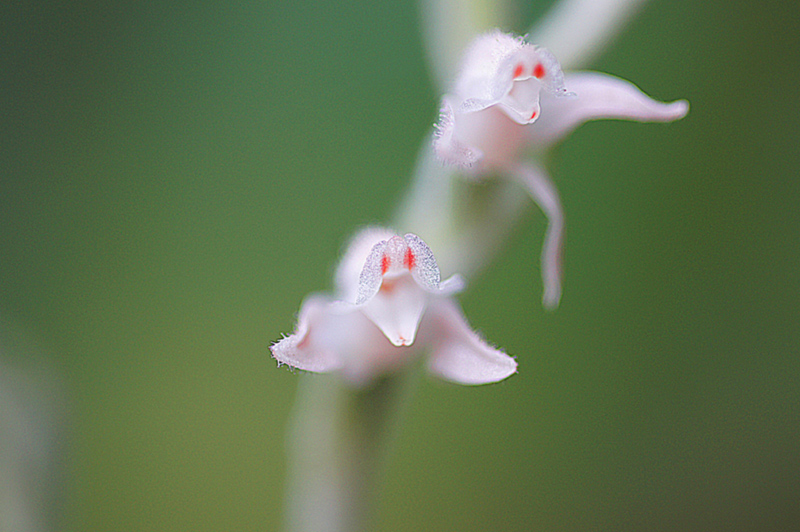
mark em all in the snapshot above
pixel 518 71
pixel 409 260
pixel 533 115
pixel 538 71
pixel 385 262
pixel 387 287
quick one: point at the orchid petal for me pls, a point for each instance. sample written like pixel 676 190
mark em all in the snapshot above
pixel 369 282
pixel 486 70
pixel 458 353
pixel 421 263
pixel 499 89
pixel 312 347
pixel 452 285
pixel 501 68
pixel 446 146
pixel 398 285
pixel 481 140
pixel 397 309
pixel 545 194
pixel 335 336
pixel 599 96
pixel 367 353
pixel 348 280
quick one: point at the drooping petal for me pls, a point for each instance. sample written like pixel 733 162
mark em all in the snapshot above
pixel 314 344
pixel 457 352
pixel 397 308
pixel 599 96
pixel 545 194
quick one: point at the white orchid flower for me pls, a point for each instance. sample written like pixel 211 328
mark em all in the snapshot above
pixel 392 307
pixel 511 97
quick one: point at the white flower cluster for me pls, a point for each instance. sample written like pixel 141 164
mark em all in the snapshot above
pixel 390 305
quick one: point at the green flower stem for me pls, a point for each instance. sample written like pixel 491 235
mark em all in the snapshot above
pixel 336 448
pixel 465 220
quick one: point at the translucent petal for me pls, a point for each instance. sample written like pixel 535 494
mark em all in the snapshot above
pixel 599 96
pixel 421 262
pixel 457 352
pixel 352 263
pixel 369 282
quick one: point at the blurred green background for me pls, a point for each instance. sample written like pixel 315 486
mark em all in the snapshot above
pixel 176 177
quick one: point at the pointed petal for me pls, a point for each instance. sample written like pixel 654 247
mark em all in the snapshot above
pixel 397 309
pixel 312 347
pixel 599 96
pixel 545 194
pixel 458 354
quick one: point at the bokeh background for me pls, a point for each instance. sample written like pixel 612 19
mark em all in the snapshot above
pixel 175 177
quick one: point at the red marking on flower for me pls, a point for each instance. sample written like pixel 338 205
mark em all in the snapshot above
pixel 518 71
pixel 409 261
pixel 385 262
pixel 387 286
pixel 538 71
pixel 533 115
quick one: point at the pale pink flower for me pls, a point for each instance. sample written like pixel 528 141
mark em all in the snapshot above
pixel 391 307
pixel 510 98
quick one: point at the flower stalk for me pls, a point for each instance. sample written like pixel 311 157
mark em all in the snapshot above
pixel 337 444
pixel 510 104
